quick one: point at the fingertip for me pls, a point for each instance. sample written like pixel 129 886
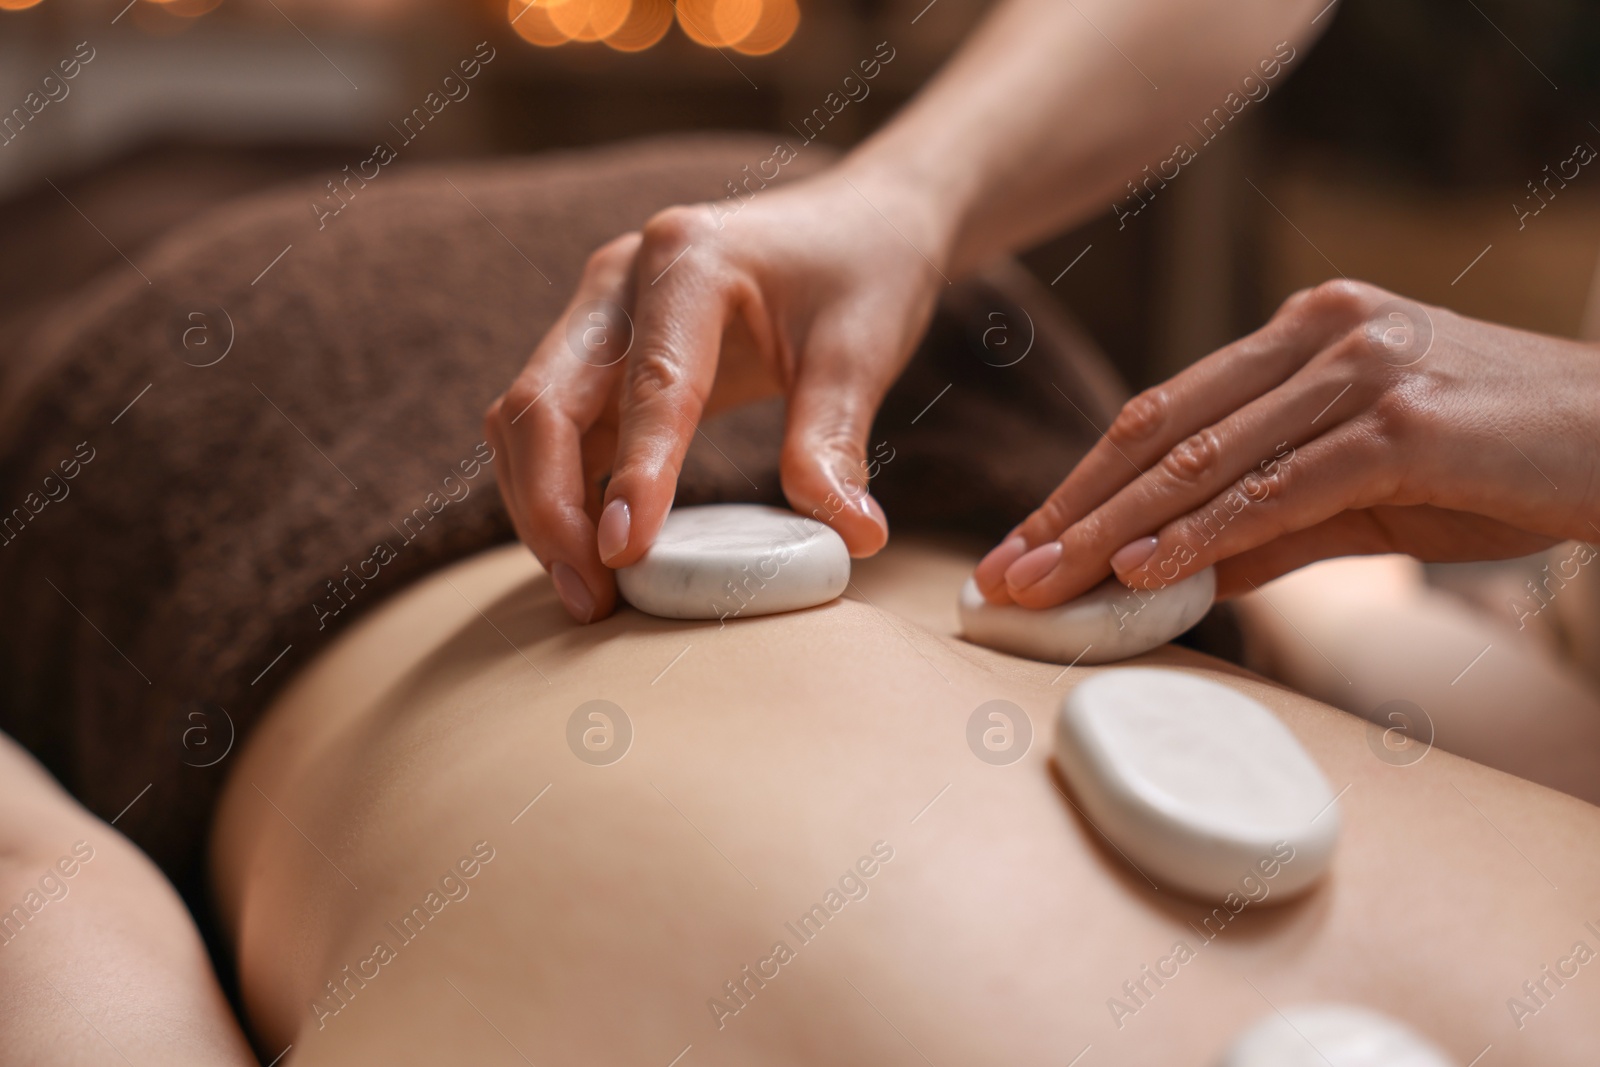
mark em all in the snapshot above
pixel 1032 567
pixel 835 495
pixel 573 592
pixel 586 588
pixel 867 530
pixel 990 573
pixel 615 523
pixel 1131 558
pixel 636 506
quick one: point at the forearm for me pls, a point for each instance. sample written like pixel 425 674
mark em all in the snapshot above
pixel 99 960
pixel 1054 106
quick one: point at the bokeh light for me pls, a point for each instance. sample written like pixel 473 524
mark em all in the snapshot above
pixel 754 27
pixel 779 19
pixel 532 23
pixel 648 21
pixel 589 20
pixel 16 5
pixel 718 23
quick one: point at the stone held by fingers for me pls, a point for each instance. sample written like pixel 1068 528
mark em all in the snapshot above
pixel 722 561
pixel 1109 622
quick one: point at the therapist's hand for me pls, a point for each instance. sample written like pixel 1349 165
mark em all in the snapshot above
pixel 818 290
pixel 1354 422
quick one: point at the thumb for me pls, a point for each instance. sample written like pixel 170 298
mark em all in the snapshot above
pixel 824 460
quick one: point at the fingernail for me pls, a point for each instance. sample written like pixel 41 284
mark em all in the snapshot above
pixel 875 513
pixel 991 569
pixel 1130 556
pixel 613 532
pixel 575 596
pixel 850 487
pixel 1034 565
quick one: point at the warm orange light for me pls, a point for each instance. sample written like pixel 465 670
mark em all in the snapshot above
pixel 533 24
pixel 589 20
pixel 648 22
pixel 16 5
pixel 754 27
pixel 189 9
pixel 718 23
pixel 735 19
pixel 779 18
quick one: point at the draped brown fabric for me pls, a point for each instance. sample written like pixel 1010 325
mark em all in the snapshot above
pixel 205 477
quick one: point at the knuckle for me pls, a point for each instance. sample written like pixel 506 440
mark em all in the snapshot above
pixel 833 442
pixel 1140 417
pixel 672 228
pixel 1090 533
pixel 1293 301
pixel 608 264
pixel 655 371
pixel 1351 356
pixel 518 405
pixel 1192 460
pixel 1397 414
pixel 1342 298
pixel 1267 480
pixel 1053 516
pixel 1256 488
pixel 519 396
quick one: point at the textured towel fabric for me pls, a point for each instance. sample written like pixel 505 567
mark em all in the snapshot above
pixel 205 477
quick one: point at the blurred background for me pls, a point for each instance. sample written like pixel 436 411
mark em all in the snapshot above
pixel 1406 149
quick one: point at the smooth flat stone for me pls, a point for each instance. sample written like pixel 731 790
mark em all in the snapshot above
pixel 1332 1035
pixel 1109 622
pixel 724 561
pixel 1199 786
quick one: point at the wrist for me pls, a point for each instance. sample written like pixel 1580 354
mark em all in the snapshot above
pixel 922 203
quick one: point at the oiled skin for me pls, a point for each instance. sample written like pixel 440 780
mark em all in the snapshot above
pixel 767 759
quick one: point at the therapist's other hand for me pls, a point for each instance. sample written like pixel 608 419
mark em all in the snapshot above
pixel 807 290
pixel 1354 422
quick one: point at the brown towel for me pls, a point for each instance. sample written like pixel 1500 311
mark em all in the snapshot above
pixel 177 539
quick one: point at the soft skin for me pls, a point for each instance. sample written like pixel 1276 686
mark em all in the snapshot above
pixel 821 290
pixel 1353 423
pixel 103 963
pixel 768 757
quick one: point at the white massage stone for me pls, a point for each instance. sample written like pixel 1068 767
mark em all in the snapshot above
pixel 1109 622
pixel 1200 787
pixel 724 561
pixel 1332 1035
